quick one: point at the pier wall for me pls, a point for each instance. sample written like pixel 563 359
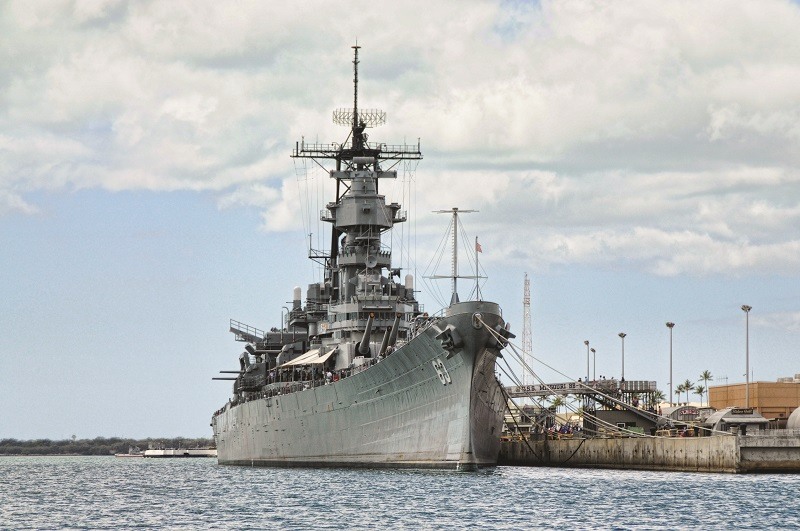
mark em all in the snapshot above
pixel 692 454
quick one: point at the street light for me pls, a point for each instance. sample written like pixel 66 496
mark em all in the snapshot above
pixel 594 369
pixel 670 326
pixel 587 361
pixel 746 310
pixel 622 336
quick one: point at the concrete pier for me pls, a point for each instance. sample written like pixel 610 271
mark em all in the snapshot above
pixel 733 454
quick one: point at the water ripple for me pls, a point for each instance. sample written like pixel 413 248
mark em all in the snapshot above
pixel 109 493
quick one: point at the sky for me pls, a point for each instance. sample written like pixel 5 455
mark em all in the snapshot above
pixel 638 161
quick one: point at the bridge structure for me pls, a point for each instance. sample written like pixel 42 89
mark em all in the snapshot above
pixel 613 387
pixel 635 396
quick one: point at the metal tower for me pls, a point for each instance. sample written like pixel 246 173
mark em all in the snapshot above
pixel 527 343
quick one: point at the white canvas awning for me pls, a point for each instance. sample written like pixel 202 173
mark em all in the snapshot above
pixel 300 360
pixel 324 357
pixel 312 357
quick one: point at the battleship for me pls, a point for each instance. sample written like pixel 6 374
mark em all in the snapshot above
pixel 358 375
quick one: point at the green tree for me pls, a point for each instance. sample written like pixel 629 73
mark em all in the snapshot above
pixel 699 390
pixel 658 397
pixel 688 385
pixel 706 377
pixel 558 402
pixel 678 390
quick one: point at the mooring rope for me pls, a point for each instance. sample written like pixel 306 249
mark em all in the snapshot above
pixel 518 357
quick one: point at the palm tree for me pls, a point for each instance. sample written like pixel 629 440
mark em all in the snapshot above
pixel 706 377
pixel 699 390
pixel 678 390
pixel 658 397
pixel 687 386
pixel 557 402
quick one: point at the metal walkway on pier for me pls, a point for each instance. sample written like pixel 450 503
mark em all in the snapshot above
pixel 609 387
pixel 637 397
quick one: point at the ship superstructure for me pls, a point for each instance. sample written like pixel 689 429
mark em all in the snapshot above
pixel 360 375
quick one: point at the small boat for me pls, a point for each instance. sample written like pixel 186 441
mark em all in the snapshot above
pixel 181 452
pixel 133 451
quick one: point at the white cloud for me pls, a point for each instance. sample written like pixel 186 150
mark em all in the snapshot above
pixel 665 135
pixel 789 321
pixel 11 202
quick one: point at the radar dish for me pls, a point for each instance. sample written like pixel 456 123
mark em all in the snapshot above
pixel 370 117
pixel 372 261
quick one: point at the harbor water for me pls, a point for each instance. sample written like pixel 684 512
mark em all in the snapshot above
pixel 106 493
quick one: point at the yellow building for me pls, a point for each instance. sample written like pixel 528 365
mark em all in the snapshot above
pixel 774 400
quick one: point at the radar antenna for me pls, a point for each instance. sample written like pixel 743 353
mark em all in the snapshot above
pixel 358 121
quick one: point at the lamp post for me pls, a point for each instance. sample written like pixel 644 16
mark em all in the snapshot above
pixel 746 310
pixel 594 365
pixel 670 326
pixel 622 336
pixel 587 361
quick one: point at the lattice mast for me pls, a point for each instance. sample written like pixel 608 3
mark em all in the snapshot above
pixel 527 342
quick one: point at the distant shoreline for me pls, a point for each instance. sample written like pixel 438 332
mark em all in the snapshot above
pixel 55 455
pixel 99 446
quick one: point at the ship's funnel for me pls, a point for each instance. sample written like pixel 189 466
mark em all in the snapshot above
pixel 296 298
pixel 363 346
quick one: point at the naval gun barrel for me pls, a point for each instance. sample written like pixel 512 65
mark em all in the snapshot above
pixel 395 327
pixel 385 342
pixel 391 335
pixel 363 345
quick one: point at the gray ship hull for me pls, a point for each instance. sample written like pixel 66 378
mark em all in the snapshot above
pixel 424 405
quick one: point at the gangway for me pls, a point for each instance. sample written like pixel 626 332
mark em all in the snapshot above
pixel 609 387
pixel 610 394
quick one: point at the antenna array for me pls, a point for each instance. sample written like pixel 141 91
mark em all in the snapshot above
pixel 369 117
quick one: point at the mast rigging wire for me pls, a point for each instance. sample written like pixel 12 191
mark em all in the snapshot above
pixel 519 358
